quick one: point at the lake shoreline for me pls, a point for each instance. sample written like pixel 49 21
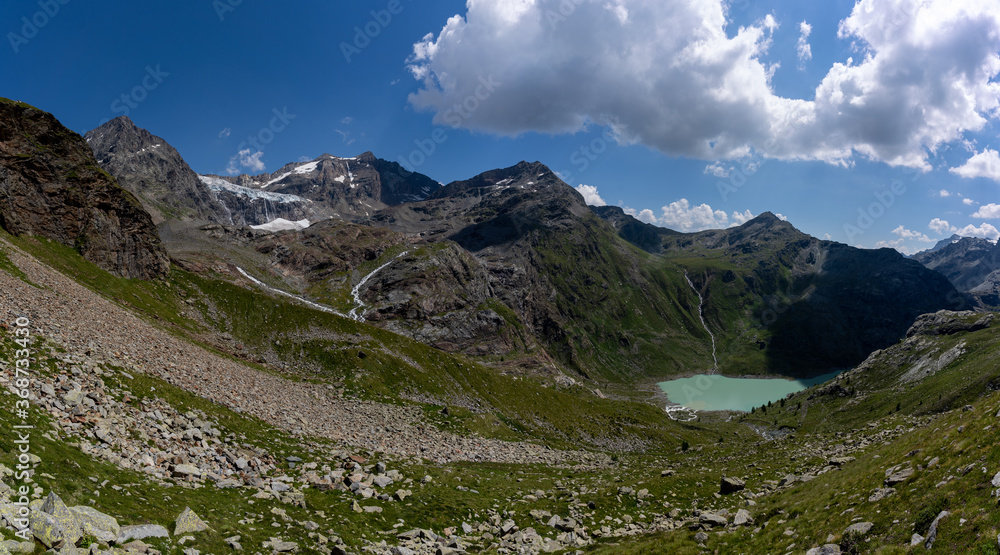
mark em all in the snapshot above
pixel 705 393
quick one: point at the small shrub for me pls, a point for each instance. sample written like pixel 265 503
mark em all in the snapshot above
pixel 927 515
pixel 685 445
pixel 852 543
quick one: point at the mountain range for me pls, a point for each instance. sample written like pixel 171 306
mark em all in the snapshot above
pixel 308 357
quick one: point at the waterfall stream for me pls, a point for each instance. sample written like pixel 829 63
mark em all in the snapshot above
pixel 356 292
pixel 701 316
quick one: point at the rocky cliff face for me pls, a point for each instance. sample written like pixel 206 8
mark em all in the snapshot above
pixel 154 171
pixel 51 186
pixel 967 261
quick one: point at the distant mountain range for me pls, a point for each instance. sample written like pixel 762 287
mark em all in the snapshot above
pixel 971 264
pixel 512 263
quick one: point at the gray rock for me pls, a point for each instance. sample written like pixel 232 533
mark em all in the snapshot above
pixel 713 519
pixel 96 523
pixel 141 532
pixel 731 485
pixel 382 481
pixel 916 539
pixel 188 522
pixel 932 531
pixel 186 470
pixel 743 518
pixel 828 549
pixel 898 477
pixel 880 494
pixel 279 486
pixel 400 550
pixel 701 537
pixel 67 521
pixel 996 480
pixel 860 528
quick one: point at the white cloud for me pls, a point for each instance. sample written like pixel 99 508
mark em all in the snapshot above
pixel 718 170
pixel 244 159
pixel 985 231
pixel 746 216
pixel 984 164
pixel 945 194
pixel 898 244
pixel 646 216
pixel 590 195
pixel 968 201
pixel 666 74
pixel 225 133
pixel 779 216
pixel 802 47
pixel 904 233
pixel 988 211
pixel 941 227
pixel 680 215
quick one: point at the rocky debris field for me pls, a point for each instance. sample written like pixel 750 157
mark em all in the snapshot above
pixel 84 323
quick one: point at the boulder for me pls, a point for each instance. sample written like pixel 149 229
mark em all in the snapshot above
pixel 828 549
pixel 95 523
pixel 141 532
pixel 731 485
pixel 54 506
pixel 743 518
pixel 46 529
pixel 188 522
pixel 860 528
pixel 898 476
pixel 187 470
pixel 712 519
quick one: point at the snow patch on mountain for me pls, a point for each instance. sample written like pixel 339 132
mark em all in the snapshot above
pixel 216 184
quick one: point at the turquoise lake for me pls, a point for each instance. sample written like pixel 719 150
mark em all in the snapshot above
pixel 714 392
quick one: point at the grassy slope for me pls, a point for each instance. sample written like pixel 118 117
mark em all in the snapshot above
pixel 318 346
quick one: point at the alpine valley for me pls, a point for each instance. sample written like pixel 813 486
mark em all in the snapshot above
pixel 345 356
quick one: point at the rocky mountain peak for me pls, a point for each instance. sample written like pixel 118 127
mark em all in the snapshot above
pixel 52 186
pixel 154 171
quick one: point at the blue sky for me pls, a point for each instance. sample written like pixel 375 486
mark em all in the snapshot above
pixel 682 111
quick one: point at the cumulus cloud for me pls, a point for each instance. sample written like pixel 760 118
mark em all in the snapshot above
pixel 666 74
pixel 590 195
pixel 988 211
pixel 681 215
pixel 647 216
pixel 802 47
pixel 904 233
pixel 968 201
pixel 986 231
pixel 898 244
pixel 941 227
pixel 246 159
pixel 945 194
pixel 983 164
pixel 718 170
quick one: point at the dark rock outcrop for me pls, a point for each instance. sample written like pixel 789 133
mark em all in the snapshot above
pixel 51 186
pixel 945 322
